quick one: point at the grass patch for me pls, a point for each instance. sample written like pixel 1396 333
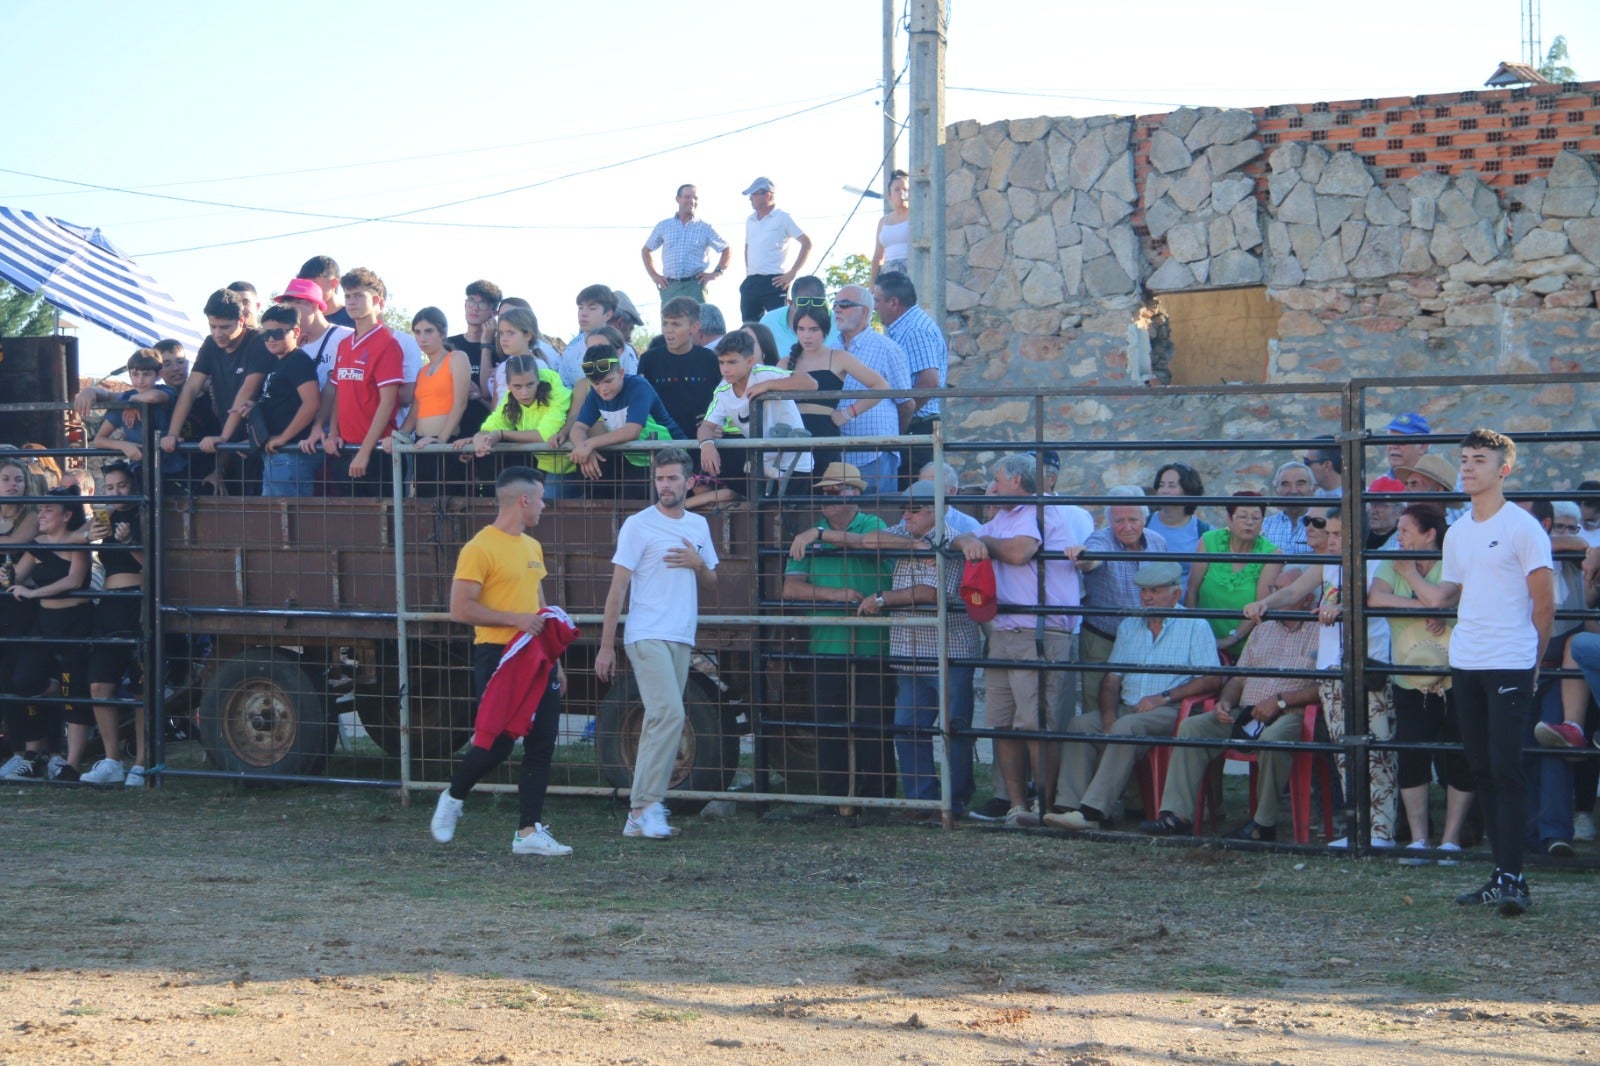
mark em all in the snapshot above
pixel 667 1014
pixel 223 1012
pixel 1429 982
pixel 82 1010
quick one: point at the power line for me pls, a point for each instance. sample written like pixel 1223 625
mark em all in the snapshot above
pixel 403 217
pixel 861 199
pixel 429 155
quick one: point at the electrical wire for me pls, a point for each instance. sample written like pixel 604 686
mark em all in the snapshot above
pixel 431 155
pixel 403 217
pixel 861 199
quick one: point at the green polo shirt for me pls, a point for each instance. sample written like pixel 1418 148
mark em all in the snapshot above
pixel 830 566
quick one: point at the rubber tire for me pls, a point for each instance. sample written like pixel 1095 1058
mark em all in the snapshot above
pixel 792 750
pixel 442 706
pixel 264 713
pixel 703 763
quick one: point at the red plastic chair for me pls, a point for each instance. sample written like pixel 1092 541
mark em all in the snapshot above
pixel 1303 765
pixel 1151 768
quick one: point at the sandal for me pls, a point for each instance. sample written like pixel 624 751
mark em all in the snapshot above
pixel 1168 825
pixel 1253 830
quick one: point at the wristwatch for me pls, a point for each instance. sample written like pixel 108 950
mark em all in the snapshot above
pixel 879 600
pixel 1282 705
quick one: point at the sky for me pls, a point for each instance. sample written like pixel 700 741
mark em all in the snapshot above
pixel 557 133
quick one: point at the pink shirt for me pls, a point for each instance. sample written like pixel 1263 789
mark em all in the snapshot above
pixel 1018 583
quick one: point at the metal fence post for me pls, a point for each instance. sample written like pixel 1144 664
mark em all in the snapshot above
pixel 1353 642
pixel 403 657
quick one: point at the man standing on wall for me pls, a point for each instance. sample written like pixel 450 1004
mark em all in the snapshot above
pixel 664 559
pixel 767 233
pixel 684 241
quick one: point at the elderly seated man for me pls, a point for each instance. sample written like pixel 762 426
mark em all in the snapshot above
pixel 1136 702
pixel 1274 702
pixel 1110 583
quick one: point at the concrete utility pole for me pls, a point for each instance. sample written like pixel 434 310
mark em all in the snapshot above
pixel 888 95
pixel 927 155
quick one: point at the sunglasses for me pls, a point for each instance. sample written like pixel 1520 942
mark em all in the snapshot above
pixel 595 369
pixel 813 301
pixel 914 509
pixel 1317 523
pixel 845 305
pixel 278 333
pixel 1565 529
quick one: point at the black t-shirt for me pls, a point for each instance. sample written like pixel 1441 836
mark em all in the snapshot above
pixel 116 560
pixel 684 382
pixel 341 317
pixel 280 393
pixel 226 371
pixel 477 410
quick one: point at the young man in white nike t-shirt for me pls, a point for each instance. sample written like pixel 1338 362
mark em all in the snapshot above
pixel 1497 566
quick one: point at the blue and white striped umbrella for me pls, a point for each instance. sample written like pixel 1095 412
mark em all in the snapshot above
pixel 78 270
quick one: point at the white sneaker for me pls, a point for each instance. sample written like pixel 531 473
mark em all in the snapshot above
pixel 1382 843
pixel 1582 826
pixel 59 769
pixel 1454 857
pixel 1416 860
pixel 10 767
pixel 538 842
pixel 137 777
pixel 445 816
pixel 1021 818
pixel 104 772
pixel 651 824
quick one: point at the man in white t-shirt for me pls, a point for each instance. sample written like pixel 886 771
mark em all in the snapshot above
pixel 664 558
pixel 1497 569
pixel 767 233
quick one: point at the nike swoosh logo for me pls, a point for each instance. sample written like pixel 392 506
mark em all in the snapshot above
pixel 1503 691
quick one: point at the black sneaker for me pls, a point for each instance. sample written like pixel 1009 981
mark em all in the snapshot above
pixel 1488 895
pixel 1514 897
pixel 993 811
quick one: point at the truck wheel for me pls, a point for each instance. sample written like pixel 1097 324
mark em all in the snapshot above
pixel 441 707
pixel 702 764
pixel 263 713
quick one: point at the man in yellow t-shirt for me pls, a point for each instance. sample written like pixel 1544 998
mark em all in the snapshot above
pixel 497 591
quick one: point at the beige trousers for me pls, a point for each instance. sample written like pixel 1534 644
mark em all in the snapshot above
pixel 661 669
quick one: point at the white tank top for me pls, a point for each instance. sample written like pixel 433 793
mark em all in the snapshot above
pixel 896 238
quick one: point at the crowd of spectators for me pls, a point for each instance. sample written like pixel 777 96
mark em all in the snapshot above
pixel 309 394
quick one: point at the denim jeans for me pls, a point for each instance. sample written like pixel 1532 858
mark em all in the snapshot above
pixel 882 474
pixel 917 708
pixel 290 473
pixel 1549 777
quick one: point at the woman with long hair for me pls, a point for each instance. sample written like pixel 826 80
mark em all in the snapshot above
pixel 892 249
pixel 1424 708
pixel 834 370
pixel 117 618
pixel 55 582
pixel 440 403
pixel 532 411
pixel 766 343
pixel 19 524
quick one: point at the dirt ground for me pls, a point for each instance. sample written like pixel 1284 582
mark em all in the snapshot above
pixel 205 922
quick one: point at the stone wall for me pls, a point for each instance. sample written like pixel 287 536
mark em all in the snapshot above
pixel 1058 228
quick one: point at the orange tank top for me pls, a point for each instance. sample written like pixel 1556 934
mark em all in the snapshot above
pixel 436 390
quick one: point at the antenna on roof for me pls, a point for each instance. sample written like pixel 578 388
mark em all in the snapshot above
pixel 1532 33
